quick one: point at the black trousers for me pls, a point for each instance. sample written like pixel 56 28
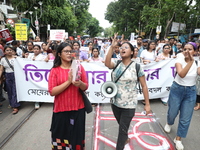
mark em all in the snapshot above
pixel 123 117
pixel 1 93
pixel 198 99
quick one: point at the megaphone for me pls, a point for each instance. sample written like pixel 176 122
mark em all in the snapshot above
pixel 109 89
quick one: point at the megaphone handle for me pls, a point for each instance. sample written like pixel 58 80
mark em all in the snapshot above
pixel 103 98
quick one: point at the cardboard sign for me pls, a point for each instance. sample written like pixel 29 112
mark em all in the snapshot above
pixel 85 49
pixel 21 31
pixel 134 43
pixel 66 35
pixel 5 33
pixel 57 35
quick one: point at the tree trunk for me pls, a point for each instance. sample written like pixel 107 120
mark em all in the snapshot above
pixel 179 25
pixel 167 26
pixel 150 33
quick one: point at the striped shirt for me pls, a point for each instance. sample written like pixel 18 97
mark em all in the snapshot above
pixel 70 99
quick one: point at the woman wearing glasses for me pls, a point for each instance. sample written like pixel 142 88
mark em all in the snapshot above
pixel 123 104
pixel 36 56
pixel 29 49
pixel 149 54
pixel 166 54
pixel 68 121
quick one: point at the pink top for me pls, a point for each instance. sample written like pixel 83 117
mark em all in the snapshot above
pixel 161 56
pixel 99 59
pixel 70 98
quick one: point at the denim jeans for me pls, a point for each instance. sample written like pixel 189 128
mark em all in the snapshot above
pixel 181 99
pixel 123 117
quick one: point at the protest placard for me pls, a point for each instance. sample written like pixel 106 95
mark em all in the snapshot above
pixel 57 35
pixel 21 31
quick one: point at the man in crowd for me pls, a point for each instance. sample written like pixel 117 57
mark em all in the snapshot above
pixel 145 43
pixel 171 42
pixel 139 45
pixel 16 45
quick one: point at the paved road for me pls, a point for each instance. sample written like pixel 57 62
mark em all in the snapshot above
pixel 101 129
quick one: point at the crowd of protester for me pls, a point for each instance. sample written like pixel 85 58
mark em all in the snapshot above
pixel 96 50
pixel 145 51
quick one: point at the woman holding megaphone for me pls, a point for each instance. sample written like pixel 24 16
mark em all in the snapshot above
pixel 125 101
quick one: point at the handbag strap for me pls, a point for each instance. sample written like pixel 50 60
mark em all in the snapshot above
pixel 123 72
pixel 9 63
pixel 118 62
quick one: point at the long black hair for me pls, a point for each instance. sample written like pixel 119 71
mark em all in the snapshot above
pixel 96 49
pixel 148 46
pixel 76 43
pixel 57 60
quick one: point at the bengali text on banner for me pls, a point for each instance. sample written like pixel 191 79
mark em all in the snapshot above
pixel 32 80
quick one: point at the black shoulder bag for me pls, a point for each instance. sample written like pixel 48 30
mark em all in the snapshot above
pixel 118 62
pixel 9 63
pixel 88 106
pixel 137 67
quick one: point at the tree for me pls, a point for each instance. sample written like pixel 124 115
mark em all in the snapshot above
pixel 92 26
pixel 71 15
pixel 57 13
pixel 126 15
pixel 135 16
pixel 80 10
pixel 108 32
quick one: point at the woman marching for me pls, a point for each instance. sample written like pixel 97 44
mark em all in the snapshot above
pixel 7 65
pixel 68 121
pixel 124 103
pixel 182 95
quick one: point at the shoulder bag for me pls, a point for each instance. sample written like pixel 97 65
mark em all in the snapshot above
pixel 9 63
pixel 88 106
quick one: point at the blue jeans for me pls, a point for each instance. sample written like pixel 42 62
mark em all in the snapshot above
pixel 181 98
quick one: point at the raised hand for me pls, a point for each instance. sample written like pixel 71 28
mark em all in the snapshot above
pixel 190 56
pixel 114 40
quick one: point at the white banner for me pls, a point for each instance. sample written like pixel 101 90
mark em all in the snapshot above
pixel 32 79
pixel 159 77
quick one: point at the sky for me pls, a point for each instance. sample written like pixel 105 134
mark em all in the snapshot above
pixel 98 8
